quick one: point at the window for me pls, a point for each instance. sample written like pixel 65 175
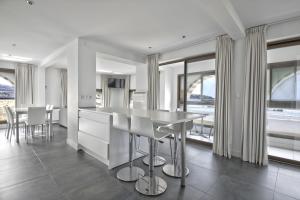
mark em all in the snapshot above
pixel 7 92
pixel 99 98
pixel 131 92
pixel 190 85
pixel 200 97
pixel 283 100
pixel 284 91
pixel 200 88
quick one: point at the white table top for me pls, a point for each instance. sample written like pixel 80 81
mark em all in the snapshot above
pixel 25 110
pixel 155 115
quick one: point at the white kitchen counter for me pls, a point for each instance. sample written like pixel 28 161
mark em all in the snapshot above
pixel 98 137
pixel 155 115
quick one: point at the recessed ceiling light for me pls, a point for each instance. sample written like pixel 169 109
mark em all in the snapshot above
pixel 29 2
pixel 14 58
pixel 183 36
pixel 117 73
pixel 104 71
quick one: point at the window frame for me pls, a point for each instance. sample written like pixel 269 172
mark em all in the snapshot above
pixel 8 71
pixel 202 74
pixel 187 60
pixel 295 41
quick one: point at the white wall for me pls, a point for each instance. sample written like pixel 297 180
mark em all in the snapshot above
pixel 40 97
pixel 141 77
pixel 132 81
pixel 284 30
pixel 98 81
pixel 198 49
pixel 284 54
pixel 86 74
pixel 53 86
pixel 72 63
pixel 7 64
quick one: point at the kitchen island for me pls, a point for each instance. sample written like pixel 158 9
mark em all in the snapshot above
pixel 98 137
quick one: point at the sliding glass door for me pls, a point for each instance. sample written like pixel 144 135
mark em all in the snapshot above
pixel 190 85
pixel 7 91
pixel 172 86
pixel 283 102
pixel 200 97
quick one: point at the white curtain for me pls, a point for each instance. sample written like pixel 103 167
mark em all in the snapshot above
pixel 254 147
pixel 126 92
pixel 105 91
pixel 223 129
pixel 153 82
pixel 24 84
pixel 64 87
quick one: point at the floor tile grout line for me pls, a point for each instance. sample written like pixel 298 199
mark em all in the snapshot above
pixel 22 182
pixel 275 184
pixel 49 174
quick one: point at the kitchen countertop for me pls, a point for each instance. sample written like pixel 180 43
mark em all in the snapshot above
pixel 155 115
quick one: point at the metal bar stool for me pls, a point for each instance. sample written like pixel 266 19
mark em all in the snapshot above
pixel 130 173
pixel 158 160
pixel 149 185
pixel 174 169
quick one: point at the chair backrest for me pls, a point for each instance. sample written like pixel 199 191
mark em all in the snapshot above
pixel 50 107
pixel 177 127
pixel 189 125
pixel 36 115
pixel 120 121
pixel 9 115
pixel 142 126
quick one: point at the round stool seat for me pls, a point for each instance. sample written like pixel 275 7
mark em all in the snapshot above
pixel 158 161
pixel 151 186
pixel 174 170
pixel 129 174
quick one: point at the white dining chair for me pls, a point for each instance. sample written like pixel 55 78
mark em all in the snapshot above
pixel 36 118
pixel 149 185
pixel 49 108
pixel 11 122
pixel 130 173
pixel 158 159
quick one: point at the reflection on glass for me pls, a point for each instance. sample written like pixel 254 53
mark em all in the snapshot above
pixel 7 95
pixel 201 84
pixel 283 110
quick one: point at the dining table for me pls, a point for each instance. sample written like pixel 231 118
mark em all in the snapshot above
pixel 24 111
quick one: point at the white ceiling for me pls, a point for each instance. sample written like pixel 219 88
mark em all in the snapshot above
pixel 40 29
pixel 255 12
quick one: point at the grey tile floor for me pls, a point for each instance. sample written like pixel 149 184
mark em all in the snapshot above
pixel 52 170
